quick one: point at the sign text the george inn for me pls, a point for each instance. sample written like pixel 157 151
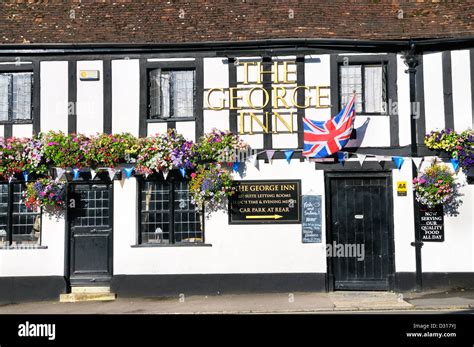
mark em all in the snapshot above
pixel 252 99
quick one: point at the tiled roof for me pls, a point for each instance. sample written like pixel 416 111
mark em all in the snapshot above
pixel 126 21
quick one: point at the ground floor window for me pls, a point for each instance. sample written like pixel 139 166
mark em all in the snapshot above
pixel 167 214
pixel 18 224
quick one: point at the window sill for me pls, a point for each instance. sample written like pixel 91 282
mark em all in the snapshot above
pixel 166 120
pixel 148 245
pixel 17 122
pixel 373 114
pixel 22 247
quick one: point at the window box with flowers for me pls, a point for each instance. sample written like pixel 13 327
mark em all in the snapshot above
pixel 459 146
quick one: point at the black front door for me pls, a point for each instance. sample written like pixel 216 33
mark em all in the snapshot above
pixel 360 238
pixel 90 230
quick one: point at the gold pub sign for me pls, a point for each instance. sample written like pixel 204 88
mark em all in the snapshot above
pixel 282 97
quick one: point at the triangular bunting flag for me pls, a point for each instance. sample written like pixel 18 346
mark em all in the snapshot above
pixel 341 157
pixel 25 175
pixel 256 163
pixel 165 173
pixel 251 159
pixel 75 174
pixel 455 164
pixel 417 162
pixel 10 179
pixel 270 153
pixel 59 173
pixel 147 174
pixel 128 171
pixel 361 158
pixel 379 158
pixel 360 135
pixel 288 155
pixel 254 160
pixel 93 174
pixel 235 166
pixel 111 172
pixel 398 162
pixel 183 172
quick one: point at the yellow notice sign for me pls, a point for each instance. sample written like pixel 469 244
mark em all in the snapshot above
pixel 402 188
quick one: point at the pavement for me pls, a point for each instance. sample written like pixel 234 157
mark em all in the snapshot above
pixel 335 302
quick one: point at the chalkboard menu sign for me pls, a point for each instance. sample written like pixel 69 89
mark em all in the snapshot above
pixel 256 202
pixel 311 218
pixel 432 223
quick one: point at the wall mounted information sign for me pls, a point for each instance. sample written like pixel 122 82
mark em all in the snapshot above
pixel 275 202
pixel 311 219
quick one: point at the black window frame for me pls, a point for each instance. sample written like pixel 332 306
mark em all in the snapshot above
pixel 172 66
pixel 363 65
pixel 171 180
pixel 11 71
pixel 391 60
pixel 10 213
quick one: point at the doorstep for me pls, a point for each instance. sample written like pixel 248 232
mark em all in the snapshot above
pixel 355 301
pixel 90 293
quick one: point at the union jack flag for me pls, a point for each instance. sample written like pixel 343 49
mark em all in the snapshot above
pixel 324 138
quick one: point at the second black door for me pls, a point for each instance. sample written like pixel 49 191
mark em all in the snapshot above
pixel 90 226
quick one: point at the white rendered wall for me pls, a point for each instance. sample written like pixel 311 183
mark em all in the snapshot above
pixel 216 75
pixel 22 130
pixel 90 99
pixel 433 88
pixel 125 96
pixel 235 248
pixel 256 140
pixel 47 261
pixel 54 95
pixel 187 129
pixel 285 141
pixel 317 73
pixel 462 100
pixel 157 128
pixel 37 262
pixel 403 96
pixel 403 225
pixel 456 253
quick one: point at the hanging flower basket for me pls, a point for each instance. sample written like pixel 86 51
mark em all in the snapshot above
pixel 46 193
pixel 211 186
pixel 436 185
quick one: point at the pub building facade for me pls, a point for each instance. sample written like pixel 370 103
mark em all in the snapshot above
pixel 141 236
